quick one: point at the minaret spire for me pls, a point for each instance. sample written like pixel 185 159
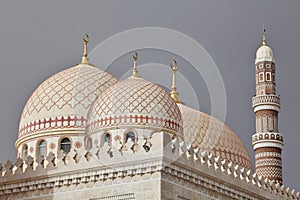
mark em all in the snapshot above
pixel 135 72
pixel 174 94
pixel 264 38
pixel 85 59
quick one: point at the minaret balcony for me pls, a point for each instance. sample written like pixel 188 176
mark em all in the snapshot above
pixel 267 139
pixel 266 102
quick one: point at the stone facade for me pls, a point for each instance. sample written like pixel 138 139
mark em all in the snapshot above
pixel 169 170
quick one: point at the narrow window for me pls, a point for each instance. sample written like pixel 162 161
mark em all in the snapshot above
pixel 89 144
pixel 268 76
pixel 130 135
pixel 65 145
pixel 261 77
pixel 42 148
pixel 24 151
pixel 107 138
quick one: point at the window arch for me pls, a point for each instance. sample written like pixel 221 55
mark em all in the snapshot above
pixel 24 151
pixel 65 145
pixel 42 148
pixel 130 135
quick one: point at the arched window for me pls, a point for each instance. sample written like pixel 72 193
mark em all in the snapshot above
pixel 42 148
pixel 268 76
pixel 130 135
pixel 24 151
pixel 107 138
pixel 89 144
pixel 261 77
pixel 65 145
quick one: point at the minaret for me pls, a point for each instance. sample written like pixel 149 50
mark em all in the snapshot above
pixel 267 141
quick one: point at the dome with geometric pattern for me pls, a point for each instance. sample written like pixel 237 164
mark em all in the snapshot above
pixel 211 135
pixel 61 103
pixel 135 103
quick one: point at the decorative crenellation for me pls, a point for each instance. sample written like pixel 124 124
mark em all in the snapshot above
pixel 213 136
pixel 200 169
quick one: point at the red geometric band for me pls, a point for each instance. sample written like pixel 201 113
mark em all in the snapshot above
pixel 52 123
pixel 135 120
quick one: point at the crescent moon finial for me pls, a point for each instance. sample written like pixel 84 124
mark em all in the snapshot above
pixel 264 38
pixel 135 56
pixel 174 94
pixel 86 38
pixel 135 72
pixel 174 66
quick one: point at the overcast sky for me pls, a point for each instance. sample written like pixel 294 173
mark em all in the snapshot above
pixel 40 38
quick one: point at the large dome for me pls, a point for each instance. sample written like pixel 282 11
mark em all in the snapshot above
pixel 211 135
pixel 61 103
pixel 135 103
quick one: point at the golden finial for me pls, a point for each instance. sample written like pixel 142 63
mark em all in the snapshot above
pixel 135 72
pixel 264 38
pixel 85 59
pixel 174 94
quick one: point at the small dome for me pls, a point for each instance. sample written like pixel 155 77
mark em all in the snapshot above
pixel 264 52
pixel 211 135
pixel 61 103
pixel 135 103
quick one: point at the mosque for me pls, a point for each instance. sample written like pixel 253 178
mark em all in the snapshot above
pixel 84 134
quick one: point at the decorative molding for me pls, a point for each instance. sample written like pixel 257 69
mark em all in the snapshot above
pixel 266 107
pixel 267 136
pixel 52 123
pixel 266 100
pixel 268 143
pixel 133 121
pixel 267 154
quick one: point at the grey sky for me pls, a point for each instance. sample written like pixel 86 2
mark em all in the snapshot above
pixel 40 38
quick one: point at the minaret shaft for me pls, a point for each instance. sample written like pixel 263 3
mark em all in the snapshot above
pixel 267 141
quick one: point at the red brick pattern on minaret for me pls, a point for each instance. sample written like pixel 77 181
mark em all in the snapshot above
pixel 267 142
